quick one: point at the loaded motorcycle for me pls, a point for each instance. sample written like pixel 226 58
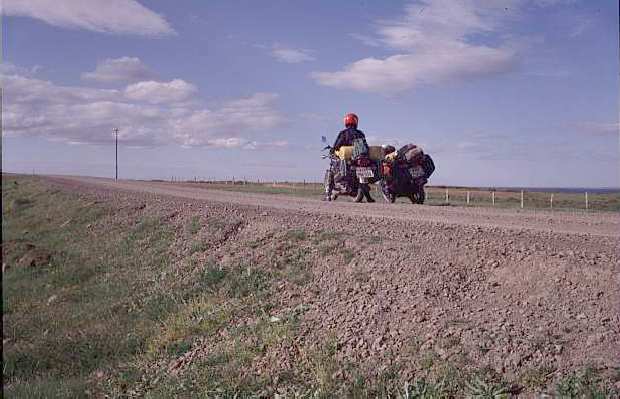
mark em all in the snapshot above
pixel 405 173
pixel 351 171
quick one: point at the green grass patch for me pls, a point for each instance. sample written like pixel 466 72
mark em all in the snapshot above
pixel 75 313
pixel 193 227
pixel 296 235
pixel 586 383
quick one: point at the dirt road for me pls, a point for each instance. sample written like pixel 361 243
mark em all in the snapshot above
pixel 531 295
pixel 605 224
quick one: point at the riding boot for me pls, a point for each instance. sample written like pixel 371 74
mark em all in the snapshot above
pixel 367 196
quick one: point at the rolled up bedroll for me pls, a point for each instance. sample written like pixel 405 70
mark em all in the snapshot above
pixel 375 152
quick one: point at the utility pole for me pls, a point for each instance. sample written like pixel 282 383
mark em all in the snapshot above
pixel 115 130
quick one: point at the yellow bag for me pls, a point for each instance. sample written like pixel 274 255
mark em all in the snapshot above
pixel 375 152
pixel 345 152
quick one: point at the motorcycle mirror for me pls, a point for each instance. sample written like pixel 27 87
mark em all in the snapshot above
pixel 324 139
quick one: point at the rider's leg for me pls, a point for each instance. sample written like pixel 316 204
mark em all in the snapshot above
pixel 367 195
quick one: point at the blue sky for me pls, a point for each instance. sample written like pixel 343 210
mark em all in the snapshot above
pixel 500 93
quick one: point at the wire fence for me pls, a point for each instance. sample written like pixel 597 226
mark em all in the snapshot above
pixel 524 199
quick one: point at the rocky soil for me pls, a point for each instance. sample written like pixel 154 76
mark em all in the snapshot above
pixel 511 291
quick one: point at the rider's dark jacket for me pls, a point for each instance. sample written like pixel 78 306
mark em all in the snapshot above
pixel 346 137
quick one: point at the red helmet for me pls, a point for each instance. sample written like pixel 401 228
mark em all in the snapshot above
pixel 350 120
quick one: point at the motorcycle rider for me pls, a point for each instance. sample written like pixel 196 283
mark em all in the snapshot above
pixel 346 138
pixel 350 133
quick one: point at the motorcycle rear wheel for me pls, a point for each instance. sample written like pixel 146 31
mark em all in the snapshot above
pixel 418 197
pixel 328 184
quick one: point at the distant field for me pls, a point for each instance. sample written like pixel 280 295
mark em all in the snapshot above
pixel 437 195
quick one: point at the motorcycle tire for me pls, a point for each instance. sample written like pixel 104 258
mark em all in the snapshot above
pixel 418 197
pixel 328 181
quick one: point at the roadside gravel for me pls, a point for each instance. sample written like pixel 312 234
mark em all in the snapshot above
pixel 513 291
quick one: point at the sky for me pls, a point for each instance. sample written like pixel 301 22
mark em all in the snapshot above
pixel 519 93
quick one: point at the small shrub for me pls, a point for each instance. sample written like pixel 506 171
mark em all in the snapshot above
pixel 585 384
pixel 536 378
pixel 19 204
pixel 480 389
pixel 212 276
pixel 198 246
pixel 347 255
pixel 424 389
pixel 246 281
pixel 178 348
pixel 193 226
pixel 296 235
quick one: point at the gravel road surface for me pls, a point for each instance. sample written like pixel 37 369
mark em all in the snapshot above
pixel 605 224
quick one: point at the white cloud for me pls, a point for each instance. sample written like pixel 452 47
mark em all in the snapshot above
pixel 110 16
pixel 433 41
pixel 22 89
pixel 147 114
pixel 580 27
pixel 123 69
pixel 599 128
pixel 552 3
pixel 10 68
pixel 231 121
pixel 160 92
pixel 235 142
pixel 367 40
pixel 404 71
pixel 291 55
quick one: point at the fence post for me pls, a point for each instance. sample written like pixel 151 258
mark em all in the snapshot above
pixel 587 200
pixel 468 198
pixel 521 199
pixel 447 195
pixel 493 197
pixel 551 201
